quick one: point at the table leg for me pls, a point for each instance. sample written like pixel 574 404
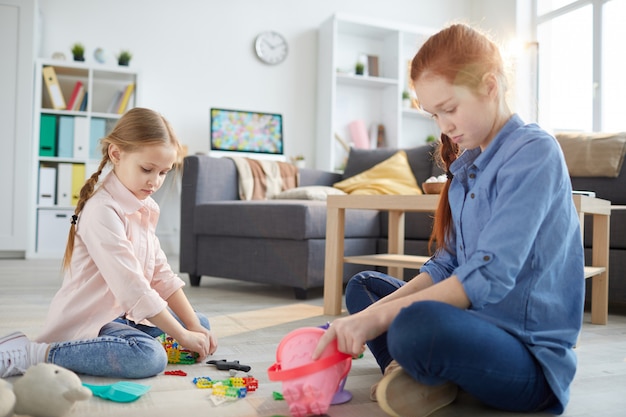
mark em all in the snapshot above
pixel 333 270
pixel 396 240
pixel 600 257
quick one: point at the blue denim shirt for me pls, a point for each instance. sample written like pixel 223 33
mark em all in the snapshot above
pixel 518 248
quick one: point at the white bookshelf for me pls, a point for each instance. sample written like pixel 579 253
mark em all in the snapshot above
pixel 344 97
pixel 51 216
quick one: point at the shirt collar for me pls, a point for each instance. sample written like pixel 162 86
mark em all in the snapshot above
pixel 481 159
pixel 126 199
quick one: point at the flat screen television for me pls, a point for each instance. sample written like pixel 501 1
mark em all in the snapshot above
pixel 246 131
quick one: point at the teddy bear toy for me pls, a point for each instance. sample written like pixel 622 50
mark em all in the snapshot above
pixel 47 390
pixel 7 399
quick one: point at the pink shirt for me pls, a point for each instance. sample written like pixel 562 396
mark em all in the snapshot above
pixel 117 267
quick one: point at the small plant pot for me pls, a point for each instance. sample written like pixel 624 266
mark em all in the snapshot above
pixel 123 62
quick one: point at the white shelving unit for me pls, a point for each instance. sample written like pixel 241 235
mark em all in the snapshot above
pixel 51 217
pixel 344 97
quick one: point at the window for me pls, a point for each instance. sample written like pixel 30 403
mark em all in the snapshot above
pixel 613 66
pixel 580 60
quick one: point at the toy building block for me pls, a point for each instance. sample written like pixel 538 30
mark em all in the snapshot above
pixel 224 365
pixel 176 354
pixel 219 390
pixel 203 382
pixel 176 373
pixel 252 384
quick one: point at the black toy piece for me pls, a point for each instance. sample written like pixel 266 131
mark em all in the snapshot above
pixel 223 365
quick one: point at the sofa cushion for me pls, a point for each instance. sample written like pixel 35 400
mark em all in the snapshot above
pixel 391 176
pixel 420 159
pixel 593 154
pixel 310 192
pixel 279 219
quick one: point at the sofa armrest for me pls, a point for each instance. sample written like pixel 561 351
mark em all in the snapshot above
pixel 204 179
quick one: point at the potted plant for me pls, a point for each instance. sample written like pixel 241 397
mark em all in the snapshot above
pixel 298 161
pixel 359 68
pixel 124 57
pixel 78 51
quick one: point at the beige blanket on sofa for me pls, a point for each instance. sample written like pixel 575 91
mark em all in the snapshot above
pixel 262 180
pixel 593 154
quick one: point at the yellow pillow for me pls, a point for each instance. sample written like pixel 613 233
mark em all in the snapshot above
pixel 392 176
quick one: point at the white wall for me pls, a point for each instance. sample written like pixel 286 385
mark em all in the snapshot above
pixel 198 54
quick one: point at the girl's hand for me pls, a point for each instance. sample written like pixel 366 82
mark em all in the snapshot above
pixel 201 342
pixel 351 333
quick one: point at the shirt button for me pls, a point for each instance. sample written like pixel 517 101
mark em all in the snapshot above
pixel 472 195
pixel 472 175
pixel 486 258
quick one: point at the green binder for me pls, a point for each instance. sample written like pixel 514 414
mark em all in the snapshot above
pixel 48 135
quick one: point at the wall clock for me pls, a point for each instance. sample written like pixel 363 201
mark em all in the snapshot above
pixel 271 47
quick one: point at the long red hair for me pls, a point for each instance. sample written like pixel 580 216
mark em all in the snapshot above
pixel 462 56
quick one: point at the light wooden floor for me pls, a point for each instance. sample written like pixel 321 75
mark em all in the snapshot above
pixel 250 321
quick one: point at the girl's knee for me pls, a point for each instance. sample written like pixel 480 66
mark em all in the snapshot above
pixel 411 333
pixel 151 361
pixel 204 322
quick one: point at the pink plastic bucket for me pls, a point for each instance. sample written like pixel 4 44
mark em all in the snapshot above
pixel 308 386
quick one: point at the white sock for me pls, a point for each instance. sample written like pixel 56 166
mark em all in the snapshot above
pixel 37 353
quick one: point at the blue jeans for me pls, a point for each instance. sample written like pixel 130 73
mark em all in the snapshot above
pixel 435 342
pixel 123 349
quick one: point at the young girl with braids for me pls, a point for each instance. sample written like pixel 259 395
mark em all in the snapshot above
pixel 118 293
pixel 497 309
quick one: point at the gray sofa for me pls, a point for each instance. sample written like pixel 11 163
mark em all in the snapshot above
pixel 281 242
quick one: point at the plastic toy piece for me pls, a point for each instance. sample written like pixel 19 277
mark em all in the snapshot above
pixel 308 386
pixel 224 365
pixel 120 392
pixel 250 383
pixel 231 393
pixel 176 373
pixel 176 354
pixel 203 382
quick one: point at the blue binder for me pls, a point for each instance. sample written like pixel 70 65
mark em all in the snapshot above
pixel 66 137
pixel 97 131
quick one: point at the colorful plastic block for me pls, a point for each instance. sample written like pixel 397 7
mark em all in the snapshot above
pixel 176 354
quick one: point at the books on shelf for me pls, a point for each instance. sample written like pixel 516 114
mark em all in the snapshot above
pixel 54 89
pixel 128 92
pixel 122 99
pixel 83 104
pixel 76 95
pixel 115 101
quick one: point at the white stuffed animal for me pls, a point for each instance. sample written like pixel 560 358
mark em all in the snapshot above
pixel 48 390
pixel 7 399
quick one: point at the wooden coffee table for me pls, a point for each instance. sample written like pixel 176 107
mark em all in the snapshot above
pixel 396 260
